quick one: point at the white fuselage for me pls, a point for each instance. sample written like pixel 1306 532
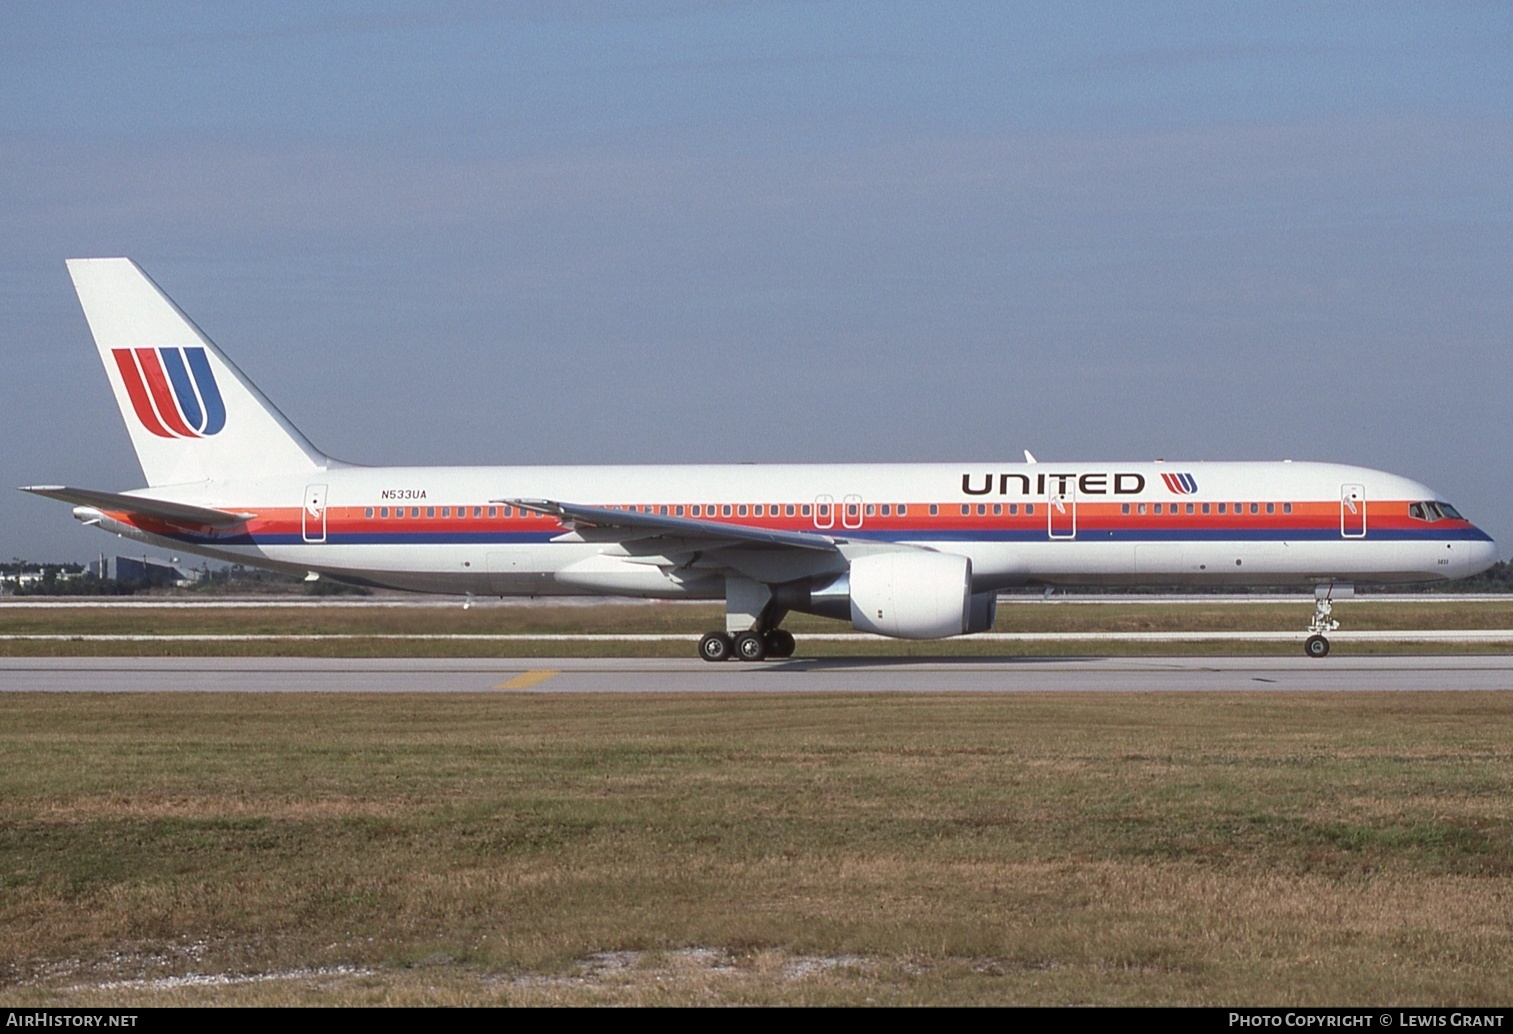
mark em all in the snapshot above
pixel 444 529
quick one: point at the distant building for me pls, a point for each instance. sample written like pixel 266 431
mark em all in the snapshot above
pixel 147 571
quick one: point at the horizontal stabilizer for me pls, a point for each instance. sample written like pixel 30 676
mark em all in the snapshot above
pixel 158 509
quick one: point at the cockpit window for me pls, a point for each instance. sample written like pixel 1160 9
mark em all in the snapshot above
pixel 1434 511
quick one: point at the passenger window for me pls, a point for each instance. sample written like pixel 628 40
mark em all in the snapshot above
pixel 1014 510
pixel 1286 507
pixel 871 510
pixel 1223 507
pixel 789 509
pixel 997 509
pixel 1140 508
pixel 494 512
pixel 725 509
pixel 982 509
pixel 368 512
pixel 678 511
pixel 903 509
pixel 1205 507
pixel 477 511
pixel 934 510
pixel 383 512
pixel 757 510
pixel 1189 507
pixel 805 510
pixel 965 510
pixel 1029 509
pixel 1255 507
pixel 1124 508
pixel 1271 507
pixel 1156 509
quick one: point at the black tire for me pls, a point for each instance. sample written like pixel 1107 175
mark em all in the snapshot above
pixel 715 646
pixel 750 646
pixel 780 643
pixel 1316 646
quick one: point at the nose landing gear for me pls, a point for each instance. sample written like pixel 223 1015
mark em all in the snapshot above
pixel 1316 645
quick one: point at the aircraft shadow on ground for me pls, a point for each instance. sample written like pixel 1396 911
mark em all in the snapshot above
pixel 844 663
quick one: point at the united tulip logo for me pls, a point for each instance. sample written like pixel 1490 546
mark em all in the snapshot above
pixel 172 390
pixel 1181 484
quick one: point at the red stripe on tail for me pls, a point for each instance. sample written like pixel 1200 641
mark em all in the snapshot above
pixel 137 392
pixel 162 394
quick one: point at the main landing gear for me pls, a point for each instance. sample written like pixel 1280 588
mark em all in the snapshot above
pixel 747 646
pixel 1316 645
pixel 752 617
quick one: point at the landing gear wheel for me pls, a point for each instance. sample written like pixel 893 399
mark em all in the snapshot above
pixel 715 646
pixel 1316 646
pixel 750 646
pixel 780 643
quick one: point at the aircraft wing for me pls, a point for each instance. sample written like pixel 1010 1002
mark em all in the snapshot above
pixel 577 517
pixel 157 509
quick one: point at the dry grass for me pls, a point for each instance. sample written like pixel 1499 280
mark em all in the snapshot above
pixel 612 618
pixel 829 849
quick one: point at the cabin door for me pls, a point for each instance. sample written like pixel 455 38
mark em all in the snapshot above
pixel 313 517
pixel 1061 508
pixel 1353 511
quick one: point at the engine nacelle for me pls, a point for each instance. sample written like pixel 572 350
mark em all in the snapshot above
pixel 913 595
pixel 982 611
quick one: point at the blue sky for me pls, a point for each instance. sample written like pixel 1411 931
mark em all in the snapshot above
pixel 665 232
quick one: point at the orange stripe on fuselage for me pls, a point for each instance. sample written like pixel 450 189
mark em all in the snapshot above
pixel 1091 517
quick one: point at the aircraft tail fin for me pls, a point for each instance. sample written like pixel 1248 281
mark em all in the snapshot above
pixel 192 415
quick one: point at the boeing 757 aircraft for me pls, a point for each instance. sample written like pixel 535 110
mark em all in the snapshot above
pixel 913 551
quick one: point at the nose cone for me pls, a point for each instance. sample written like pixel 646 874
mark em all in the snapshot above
pixel 1475 556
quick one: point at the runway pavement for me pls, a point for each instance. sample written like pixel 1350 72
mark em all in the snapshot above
pixel 832 675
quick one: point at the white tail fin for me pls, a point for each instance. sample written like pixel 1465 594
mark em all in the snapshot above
pixel 192 415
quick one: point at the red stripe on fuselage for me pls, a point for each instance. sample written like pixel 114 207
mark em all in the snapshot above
pixel 1307 519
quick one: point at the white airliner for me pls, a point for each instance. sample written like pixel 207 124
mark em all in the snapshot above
pixel 914 551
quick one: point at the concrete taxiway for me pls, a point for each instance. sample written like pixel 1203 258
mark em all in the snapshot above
pixel 831 675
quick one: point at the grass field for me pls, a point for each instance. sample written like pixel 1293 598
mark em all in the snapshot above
pixel 370 626
pixel 1108 849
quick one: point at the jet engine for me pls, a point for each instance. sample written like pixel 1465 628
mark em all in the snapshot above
pixel 917 595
